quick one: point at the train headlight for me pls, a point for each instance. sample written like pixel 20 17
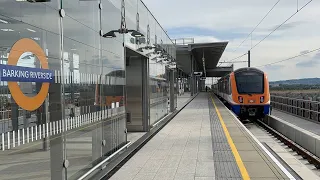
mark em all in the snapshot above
pixel 262 99
pixel 240 99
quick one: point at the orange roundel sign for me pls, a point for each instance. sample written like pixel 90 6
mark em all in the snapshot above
pixel 14 74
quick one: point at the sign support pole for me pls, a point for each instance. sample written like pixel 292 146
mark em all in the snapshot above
pixel 249 58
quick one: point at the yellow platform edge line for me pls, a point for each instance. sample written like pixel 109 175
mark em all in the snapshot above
pixel 242 168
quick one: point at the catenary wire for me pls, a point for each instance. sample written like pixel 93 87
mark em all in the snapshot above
pixel 281 24
pixel 258 24
pixel 298 10
pixel 293 57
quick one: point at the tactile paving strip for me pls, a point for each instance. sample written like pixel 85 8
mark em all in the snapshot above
pixel 225 165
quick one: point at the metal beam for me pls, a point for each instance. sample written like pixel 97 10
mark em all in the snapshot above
pixel 221 69
pixel 208 45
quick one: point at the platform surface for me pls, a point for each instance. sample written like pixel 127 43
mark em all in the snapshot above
pixel 253 160
pixel 194 146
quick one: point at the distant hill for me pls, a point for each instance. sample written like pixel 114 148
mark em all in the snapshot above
pixel 304 81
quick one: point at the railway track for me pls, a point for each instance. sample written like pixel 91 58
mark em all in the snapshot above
pixel 311 158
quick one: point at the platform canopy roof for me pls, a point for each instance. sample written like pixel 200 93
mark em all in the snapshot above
pixel 211 52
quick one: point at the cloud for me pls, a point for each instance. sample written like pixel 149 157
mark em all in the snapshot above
pixel 199 31
pixel 233 20
pixel 274 67
pixel 287 26
pixel 310 62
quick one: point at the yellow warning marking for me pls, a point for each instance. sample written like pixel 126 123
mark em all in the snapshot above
pixel 240 164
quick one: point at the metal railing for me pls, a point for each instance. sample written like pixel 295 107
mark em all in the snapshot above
pixel 298 107
pixel 183 41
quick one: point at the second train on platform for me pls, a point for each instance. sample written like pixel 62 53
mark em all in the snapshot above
pixel 246 92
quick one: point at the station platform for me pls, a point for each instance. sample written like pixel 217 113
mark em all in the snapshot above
pixel 204 141
pixel 306 124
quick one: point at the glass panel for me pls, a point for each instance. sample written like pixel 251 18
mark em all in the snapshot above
pixel 112 88
pixel 86 97
pixel 131 14
pixel 152 24
pixel 143 23
pixel 159 34
pixel 111 20
pixel 29 104
pixel 81 69
pixel 153 91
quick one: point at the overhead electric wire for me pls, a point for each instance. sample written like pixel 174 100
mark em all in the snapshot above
pixel 252 32
pixel 235 58
pixel 258 24
pixel 293 57
pixel 298 10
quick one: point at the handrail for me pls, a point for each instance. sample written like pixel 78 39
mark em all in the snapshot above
pixel 155 124
pixel 104 161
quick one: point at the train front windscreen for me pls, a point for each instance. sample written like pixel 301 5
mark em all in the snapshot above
pixel 249 82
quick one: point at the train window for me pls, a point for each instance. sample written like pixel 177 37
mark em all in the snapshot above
pixel 226 85
pixel 229 87
pixel 249 82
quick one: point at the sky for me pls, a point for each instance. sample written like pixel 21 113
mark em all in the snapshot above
pixel 233 20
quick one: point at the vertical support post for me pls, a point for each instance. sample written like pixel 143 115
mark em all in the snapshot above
pixel 46 122
pixel 25 120
pixel 191 75
pixel 57 142
pixel 14 115
pixel 71 69
pixel 249 58
pixel 97 134
pixel 97 142
pixel 195 69
pixel 57 157
pixel 172 99
pixel 145 91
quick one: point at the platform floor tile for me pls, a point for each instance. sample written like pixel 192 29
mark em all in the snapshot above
pixel 257 163
pixel 182 150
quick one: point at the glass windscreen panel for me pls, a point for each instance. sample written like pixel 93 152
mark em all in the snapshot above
pixel 249 82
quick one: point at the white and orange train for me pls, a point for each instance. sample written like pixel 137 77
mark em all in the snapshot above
pixel 246 92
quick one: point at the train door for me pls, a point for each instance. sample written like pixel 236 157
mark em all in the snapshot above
pixel 137 91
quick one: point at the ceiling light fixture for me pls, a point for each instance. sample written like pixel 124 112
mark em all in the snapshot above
pixel 3 21
pixel 7 30
pixel 31 30
pixel 111 34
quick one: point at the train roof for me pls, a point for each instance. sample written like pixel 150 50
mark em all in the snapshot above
pixel 248 68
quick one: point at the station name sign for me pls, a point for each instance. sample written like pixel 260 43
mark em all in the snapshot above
pixel 25 74
pixel 197 73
